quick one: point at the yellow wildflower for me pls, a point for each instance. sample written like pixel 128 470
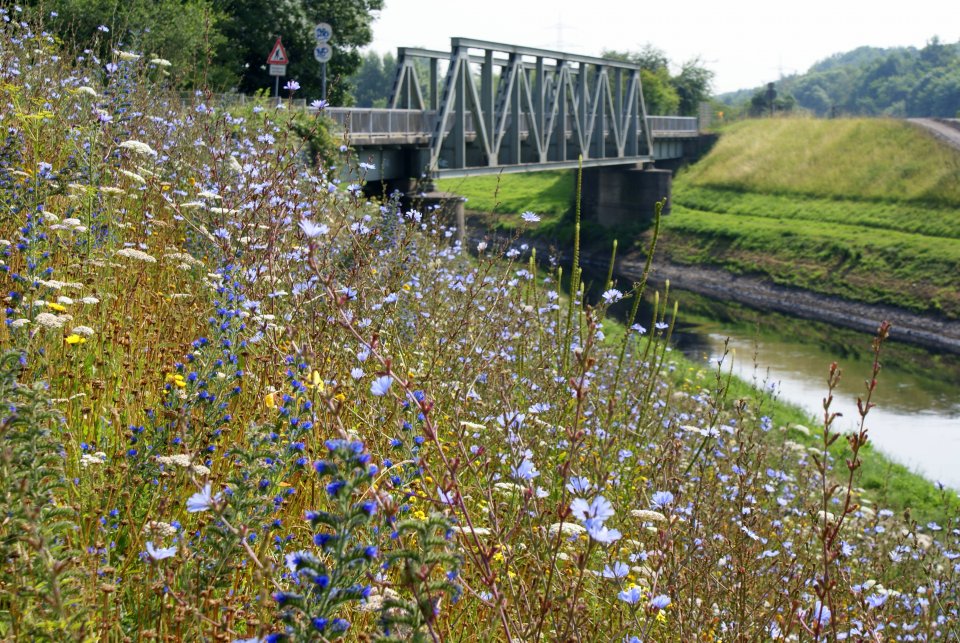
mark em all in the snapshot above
pixel 176 379
pixel 57 307
pixel 75 339
pixel 269 401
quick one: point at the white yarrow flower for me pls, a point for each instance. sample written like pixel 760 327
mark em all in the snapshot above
pixel 133 176
pixel 138 255
pixel 126 55
pixel 49 320
pixel 648 516
pixel 138 147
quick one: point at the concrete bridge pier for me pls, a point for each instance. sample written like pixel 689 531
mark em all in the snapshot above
pixel 616 196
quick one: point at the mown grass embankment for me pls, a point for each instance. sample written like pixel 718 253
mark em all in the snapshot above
pixel 858 158
pixel 864 209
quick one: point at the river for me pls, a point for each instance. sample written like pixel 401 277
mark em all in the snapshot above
pixel 916 420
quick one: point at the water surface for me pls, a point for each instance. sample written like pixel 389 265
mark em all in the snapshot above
pixel 916 420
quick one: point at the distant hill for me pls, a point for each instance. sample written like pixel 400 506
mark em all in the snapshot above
pixel 870 81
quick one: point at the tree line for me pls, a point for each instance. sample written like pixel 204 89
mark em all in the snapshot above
pixel 223 45
pixel 867 81
pixel 219 44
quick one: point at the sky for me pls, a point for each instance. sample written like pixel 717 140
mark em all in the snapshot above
pixel 746 43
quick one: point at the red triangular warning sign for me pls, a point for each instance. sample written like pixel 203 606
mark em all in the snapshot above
pixel 278 55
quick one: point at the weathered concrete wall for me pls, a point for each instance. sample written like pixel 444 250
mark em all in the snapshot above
pixel 615 196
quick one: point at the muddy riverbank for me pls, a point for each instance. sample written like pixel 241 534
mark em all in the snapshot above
pixel 934 333
pixel 929 332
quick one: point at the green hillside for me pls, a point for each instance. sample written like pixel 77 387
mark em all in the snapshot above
pixel 865 209
pixel 900 81
pixel 854 158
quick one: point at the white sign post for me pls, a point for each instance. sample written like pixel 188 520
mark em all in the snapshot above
pixel 323 53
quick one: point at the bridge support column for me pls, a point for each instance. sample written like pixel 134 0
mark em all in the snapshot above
pixel 615 196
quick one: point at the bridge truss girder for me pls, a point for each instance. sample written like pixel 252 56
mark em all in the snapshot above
pixel 507 106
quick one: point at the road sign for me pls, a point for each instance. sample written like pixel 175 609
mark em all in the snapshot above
pixel 323 53
pixel 278 55
pixel 323 32
pixel 278 70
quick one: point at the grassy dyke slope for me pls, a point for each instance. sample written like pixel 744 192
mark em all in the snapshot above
pixel 864 209
pixel 860 159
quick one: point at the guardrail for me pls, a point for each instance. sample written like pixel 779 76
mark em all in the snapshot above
pixel 366 121
pixel 371 121
pixel 685 124
pixel 374 121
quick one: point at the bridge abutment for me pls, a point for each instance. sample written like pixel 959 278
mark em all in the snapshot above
pixel 615 196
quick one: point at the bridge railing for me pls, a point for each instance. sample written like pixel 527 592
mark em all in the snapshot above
pixel 373 121
pixel 367 121
pixel 678 124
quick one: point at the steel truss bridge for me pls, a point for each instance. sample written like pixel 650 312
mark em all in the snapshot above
pixel 504 108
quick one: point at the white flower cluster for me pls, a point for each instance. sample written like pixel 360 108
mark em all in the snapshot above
pixel 156 528
pixel 83 331
pixel 126 55
pixel 179 459
pixel 49 320
pixel 183 257
pixel 70 224
pixel 185 461
pixel 96 458
pixel 138 255
pixel 139 147
pixel 648 516
pixel 53 284
pixel 133 176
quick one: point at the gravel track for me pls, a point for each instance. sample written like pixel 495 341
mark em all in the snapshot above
pixel 945 129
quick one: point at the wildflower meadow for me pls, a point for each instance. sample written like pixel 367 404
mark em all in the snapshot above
pixel 242 401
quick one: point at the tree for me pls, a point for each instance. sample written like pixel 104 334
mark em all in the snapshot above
pixel 253 26
pixel 222 44
pixel 693 86
pixel 373 81
pixel 659 94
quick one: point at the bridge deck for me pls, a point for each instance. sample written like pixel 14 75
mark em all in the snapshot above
pixel 383 134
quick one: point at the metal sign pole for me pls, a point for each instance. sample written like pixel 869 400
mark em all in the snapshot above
pixel 276 88
pixel 322 52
